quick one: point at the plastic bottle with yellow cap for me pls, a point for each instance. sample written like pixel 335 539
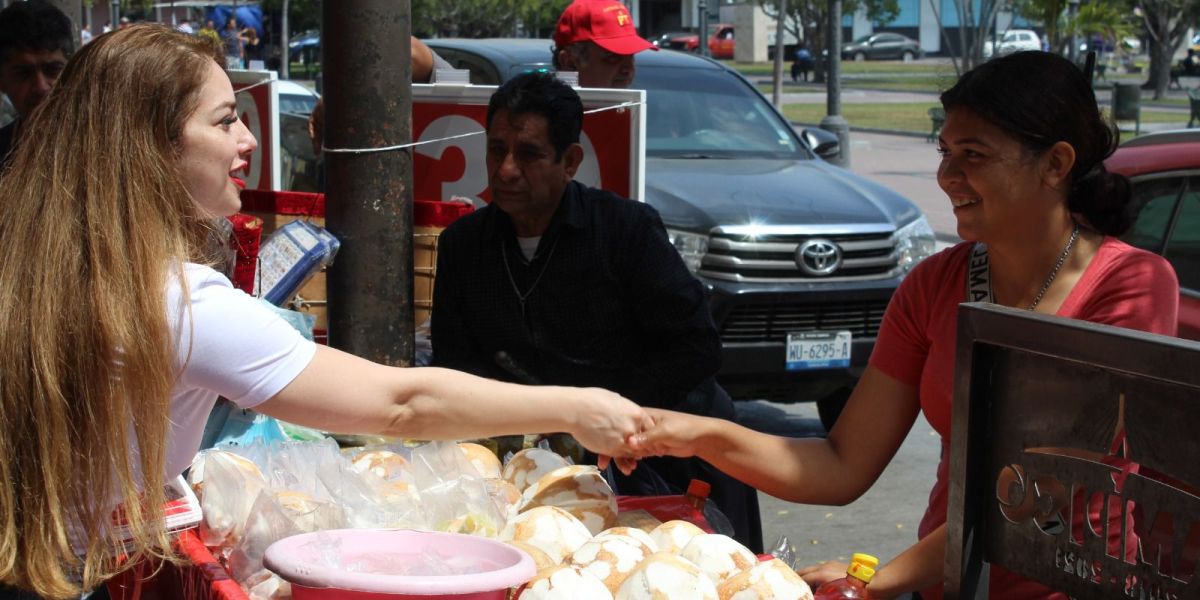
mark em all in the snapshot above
pixel 854 584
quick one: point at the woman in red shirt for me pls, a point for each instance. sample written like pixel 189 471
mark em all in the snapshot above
pixel 1022 162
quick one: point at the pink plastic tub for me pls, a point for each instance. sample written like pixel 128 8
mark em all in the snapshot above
pixel 304 561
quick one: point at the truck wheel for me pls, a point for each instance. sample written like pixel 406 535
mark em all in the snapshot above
pixel 830 407
pixel 859 57
pixel 907 56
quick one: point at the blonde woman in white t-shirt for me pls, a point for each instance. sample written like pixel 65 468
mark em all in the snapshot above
pixel 104 385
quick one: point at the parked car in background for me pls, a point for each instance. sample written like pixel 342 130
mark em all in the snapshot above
pixel 720 41
pixel 297 160
pixel 675 40
pixel 1164 168
pixel 880 46
pixel 1013 40
pixel 791 249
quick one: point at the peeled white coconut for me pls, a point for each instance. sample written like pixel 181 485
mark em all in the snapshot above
pixel 641 537
pixel 529 465
pixel 672 536
pixel 548 528
pixel 770 580
pixel 610 558
pixel 385 464
pixel 541 560
pixel 482 459
pixel 578 489
pixel 564 582
pixel 664 575
pixel 719 556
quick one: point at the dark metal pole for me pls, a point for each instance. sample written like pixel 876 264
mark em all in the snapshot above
pixel 833 121
pixel 703 35
pixel 286 36
pixel 368 104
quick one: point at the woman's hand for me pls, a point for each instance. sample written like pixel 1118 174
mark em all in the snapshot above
pixel 817 575
pixel 603 421
pixel 673 434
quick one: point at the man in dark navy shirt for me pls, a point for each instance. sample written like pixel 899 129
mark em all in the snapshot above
pixel 558 283
pixel 36 39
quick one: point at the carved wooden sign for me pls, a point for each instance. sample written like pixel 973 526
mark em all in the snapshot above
pixel 1074 459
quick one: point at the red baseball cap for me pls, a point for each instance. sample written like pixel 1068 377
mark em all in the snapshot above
pixel 605 22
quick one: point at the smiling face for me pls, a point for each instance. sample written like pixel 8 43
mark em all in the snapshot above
pixel 526 178
pixel 215 145
pixel 996 185
pixel 26 76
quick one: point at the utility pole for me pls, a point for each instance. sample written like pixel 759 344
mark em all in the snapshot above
pixel 366 59
pixel 286 36
pixel 703 34
pixel 777 93
pixel 833 121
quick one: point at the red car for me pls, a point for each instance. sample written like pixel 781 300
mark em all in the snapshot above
pixel 720 41
pixel 1165 170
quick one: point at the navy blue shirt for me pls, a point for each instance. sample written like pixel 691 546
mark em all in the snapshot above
pixel 605 302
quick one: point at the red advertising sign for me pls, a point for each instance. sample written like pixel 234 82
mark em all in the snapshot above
pixel 448 126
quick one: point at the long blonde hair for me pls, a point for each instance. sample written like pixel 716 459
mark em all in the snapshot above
pixel 94 217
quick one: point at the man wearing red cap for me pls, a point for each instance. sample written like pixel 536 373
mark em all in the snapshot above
pixel 597 39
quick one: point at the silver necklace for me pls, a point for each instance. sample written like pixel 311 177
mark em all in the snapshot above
pixel 1062 258
pixel 521 298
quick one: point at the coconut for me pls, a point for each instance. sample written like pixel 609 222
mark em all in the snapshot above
pixel 639 536
pixel 672 536
pixel 482 459
pixel 385 464
pixel 639 519
pixel 719 556
pixel 541 560
pixel 548 528
pixel 610 558
pixel 564 582
pixel 529 465
pixel 770 580
pixel 664 575
pixel 578 489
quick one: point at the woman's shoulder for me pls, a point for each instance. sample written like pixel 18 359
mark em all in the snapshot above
pixel 1116 256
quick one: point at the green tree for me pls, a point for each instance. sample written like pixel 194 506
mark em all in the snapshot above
pixel 1167 23
pixel 808 20
pixel 485 18
pixel 973 29
pixel 303 15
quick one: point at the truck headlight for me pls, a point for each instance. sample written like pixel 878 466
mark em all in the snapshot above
pixel 914 242
pixel 691 246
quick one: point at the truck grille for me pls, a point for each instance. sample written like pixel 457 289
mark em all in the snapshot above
pixel 772 322
pixel 772 258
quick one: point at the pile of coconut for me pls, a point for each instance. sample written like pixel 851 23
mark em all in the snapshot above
pixel 563 515
pixel 567 521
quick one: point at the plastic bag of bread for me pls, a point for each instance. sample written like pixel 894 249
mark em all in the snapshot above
pixel 453 493
pixel 664 575
pixel 578 489
pixel 227 485
pixel 770 580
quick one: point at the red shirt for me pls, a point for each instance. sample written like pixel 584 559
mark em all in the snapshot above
pixel 1122 286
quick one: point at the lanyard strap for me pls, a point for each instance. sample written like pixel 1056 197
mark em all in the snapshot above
pixel 979 276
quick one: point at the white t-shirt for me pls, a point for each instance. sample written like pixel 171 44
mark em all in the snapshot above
pixel 234 347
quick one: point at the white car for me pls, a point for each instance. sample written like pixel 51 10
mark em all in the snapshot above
pixel 1014 40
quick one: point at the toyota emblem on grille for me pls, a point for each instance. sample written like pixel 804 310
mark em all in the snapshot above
pixel 818 257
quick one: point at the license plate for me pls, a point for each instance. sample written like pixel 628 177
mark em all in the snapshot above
pixel 818 350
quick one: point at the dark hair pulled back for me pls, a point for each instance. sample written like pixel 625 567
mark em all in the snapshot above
pixel 1041 99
